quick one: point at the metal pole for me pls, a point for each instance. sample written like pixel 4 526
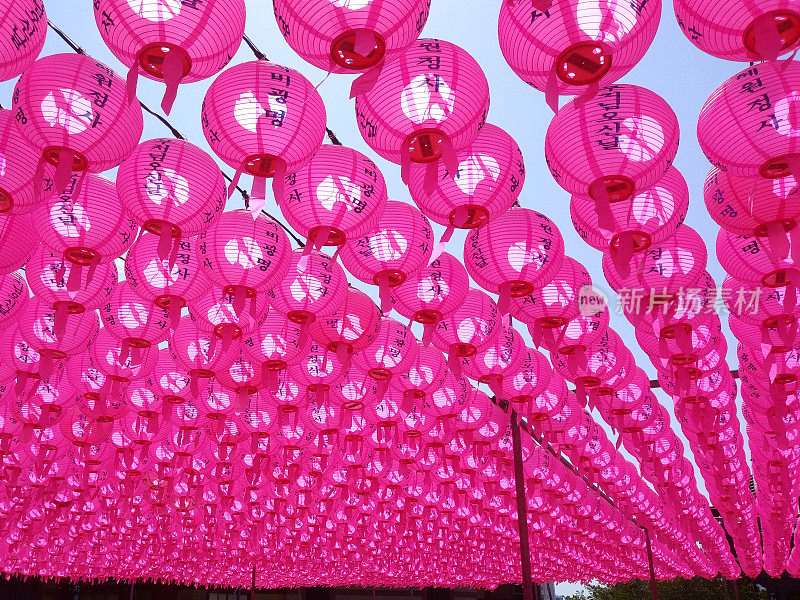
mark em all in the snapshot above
pixel 724 583
pixel 522 510
pixel 653 588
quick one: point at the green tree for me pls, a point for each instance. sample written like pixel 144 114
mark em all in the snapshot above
pixel 676 589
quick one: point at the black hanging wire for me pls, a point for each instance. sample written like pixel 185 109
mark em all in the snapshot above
pixel 75 47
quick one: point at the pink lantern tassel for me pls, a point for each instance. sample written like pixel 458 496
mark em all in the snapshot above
pixel 766 37
pixel 172 71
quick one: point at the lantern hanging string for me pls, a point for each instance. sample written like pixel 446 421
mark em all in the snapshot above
pixel 79 50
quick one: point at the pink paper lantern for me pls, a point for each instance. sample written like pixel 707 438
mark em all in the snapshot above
pixel 108 355
pixel 751 259
pixel 574 46
pixel 488 181
pixel 176 43
pixel 340 193
pixel 37 326
pixel 426 105
pixel 197 352
pixel 276 344
pixel 615 162
pixel 52 281
pixel 351 38
pixel 14 296
pixel 514 254
pixel 217 312
pixel 578 334
pixel 353 326
pixel 393 351
pixel 749 143
pixel 135 322
pixel 500 360
pixel 172 189
pixel 75 112
pixel 243 255
pixel 425 375
pixel 552 305
pixel 24 28
pixel 17 178
pixel 314 287
pixel 752 206
pixel 396 249
pixel 432 293
pixel 263 119
pixel 17 241
pixel 88 228
pixel 646 219
pixel 530 380
pixel 170 381
pixel 469 329
pixel 167 284
pixel 318 371
pixel 739 30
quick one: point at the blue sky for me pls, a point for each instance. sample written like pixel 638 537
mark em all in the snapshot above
pixel 673 68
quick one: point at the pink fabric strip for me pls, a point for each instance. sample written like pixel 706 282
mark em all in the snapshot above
pixel 132 80
pixel 766 38
pixel 172 71
pixel 258 195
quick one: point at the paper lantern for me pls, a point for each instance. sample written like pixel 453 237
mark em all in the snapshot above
pixel 276 344
pixel 397 248
pixel 632 142
pixel 514 254
pixel 86 226
pixel 351 37
pixel 432 293
pixel 169 284
pixel 74 110
pixel 263 119
pixel 469 329
pixel 552 305
pixel 171 188
pixel 353 326
pixel 135 322
pixel 752 206
pixel 427 104
pixel 751 259
pixel 738 30
pixel 488 181
pixel 243 255
pixel 178 42
pixel 14 296
pixel 393 351
pixel 340 193
pixel 219 313
pixel 17 178
pixel 18 241
pixel 37 327
pixel 24 30
pixel 53 281
pixel 575 46
pixel 314 287
pixel 624 228
pixel 747 142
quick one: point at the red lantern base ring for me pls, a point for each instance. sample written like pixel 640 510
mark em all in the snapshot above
pixel 618 187
pixel 343 51
pixel 151 58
